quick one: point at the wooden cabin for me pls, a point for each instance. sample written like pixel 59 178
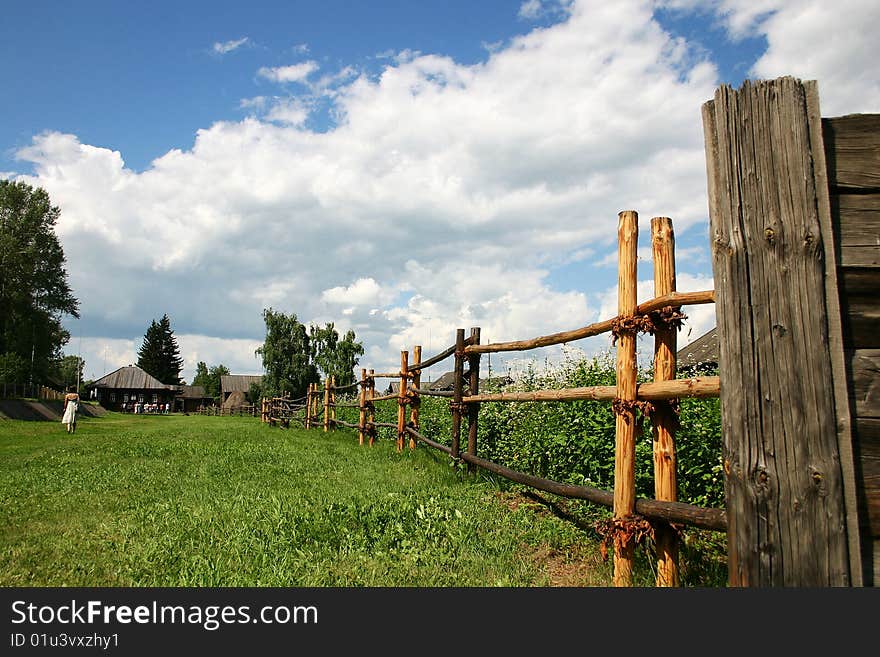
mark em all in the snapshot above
pixel 129 385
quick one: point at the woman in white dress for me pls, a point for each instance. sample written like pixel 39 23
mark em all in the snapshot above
pixel 71 401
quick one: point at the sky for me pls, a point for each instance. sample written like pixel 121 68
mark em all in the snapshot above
pixel 401 169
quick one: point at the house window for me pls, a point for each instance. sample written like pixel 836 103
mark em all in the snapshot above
pixel 112 396
pixel 155 398
pixel 125 397
pixel 141 397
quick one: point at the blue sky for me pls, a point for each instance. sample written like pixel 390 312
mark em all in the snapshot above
pixel 399 168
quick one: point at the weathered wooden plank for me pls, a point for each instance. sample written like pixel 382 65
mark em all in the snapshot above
pixel 861 317
pixel 859 219
pixel 839 383
pixel 852 148
pixel 867 432
pixel 786 514
pixel 863 370
pixel 860 256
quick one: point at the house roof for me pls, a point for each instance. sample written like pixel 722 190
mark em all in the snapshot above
pixel 703 350
pixel 131 378
pixel 238 382
pixel 193 392
pixel 445 382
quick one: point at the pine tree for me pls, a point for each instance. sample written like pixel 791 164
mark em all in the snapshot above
pixel 159 354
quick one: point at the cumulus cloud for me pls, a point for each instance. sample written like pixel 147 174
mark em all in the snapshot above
pixel 833 43
pixel 293 73
pixel 442 198
pixel 221 48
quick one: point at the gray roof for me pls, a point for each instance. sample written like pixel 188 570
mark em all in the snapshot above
pixel 703 350
pixel 131 378
pixel 238 382
pixel 445 382
pixel 193 392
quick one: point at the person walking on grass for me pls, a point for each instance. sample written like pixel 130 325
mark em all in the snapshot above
pixel 71 402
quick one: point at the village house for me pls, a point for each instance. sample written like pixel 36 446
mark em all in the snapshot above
pixel 129 385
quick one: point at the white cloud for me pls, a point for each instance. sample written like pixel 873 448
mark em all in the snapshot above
pixel 293 73
pixel 221 48
pixel 455 188
pixel 833 43
pixel 530 9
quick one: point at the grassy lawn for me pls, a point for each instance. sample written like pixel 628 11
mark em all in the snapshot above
pixel 225 501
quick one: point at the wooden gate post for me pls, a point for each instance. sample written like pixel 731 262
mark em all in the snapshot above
pixel 625 417
pixel 664 419
pixel 787 471
pixel 415 400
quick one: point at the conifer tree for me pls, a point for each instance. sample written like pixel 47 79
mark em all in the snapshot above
pixel 159 354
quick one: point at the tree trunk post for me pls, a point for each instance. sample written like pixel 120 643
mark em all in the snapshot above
pixel 473 410
pixel 625 420
pixel 664 417
pixel 457 393
pixel 415 400
pixel 362 407
pixel 371 414
pixel 327 404
pixel 401 400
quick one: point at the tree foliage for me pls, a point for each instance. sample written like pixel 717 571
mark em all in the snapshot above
pixel 295 356
pixel 34 292
pixel 69 371
pixel 159 354
pixel 335 357
pixel 286 357
pixel 209 378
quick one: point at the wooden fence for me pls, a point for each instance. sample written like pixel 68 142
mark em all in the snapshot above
pixel 794 207
pixel 659 316
pixel 27 390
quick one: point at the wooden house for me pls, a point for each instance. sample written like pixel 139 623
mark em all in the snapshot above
pixel 191 399
pixel 128 385
pixel 701 355
pixel 230 383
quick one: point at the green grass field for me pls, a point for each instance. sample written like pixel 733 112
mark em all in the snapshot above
pixel 225 501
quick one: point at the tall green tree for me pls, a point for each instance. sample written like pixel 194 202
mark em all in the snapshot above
pixel 335 357
pixel 69 371
pixel 286 355
pixel 209 379
pixel 159 354
pixel 34 292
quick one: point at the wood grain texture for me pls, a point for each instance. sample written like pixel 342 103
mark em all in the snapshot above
pixel 626 371
pixel 786 515
pixel 852 144
pixel 664 419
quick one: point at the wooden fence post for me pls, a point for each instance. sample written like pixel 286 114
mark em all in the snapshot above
pixel 308 420
pixel 415 400
pixel 664 419
pixel 457 393
pixel 327 404
pixel 401 400
pixel 787 466
pixel 371 411
pixel 473 410
pixel 625 420
pixel 362 406
pixel 333 401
